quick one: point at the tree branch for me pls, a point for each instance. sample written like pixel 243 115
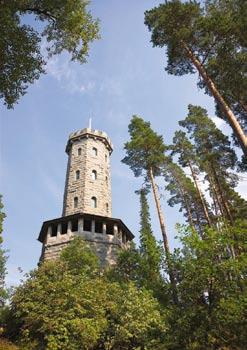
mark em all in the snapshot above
pixel 39 12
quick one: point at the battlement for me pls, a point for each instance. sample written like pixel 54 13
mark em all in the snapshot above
pixel 86 133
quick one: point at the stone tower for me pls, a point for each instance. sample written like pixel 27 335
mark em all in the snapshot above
pixel 88 185
pixel 87 208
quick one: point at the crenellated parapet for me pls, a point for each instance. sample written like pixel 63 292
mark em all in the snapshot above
pixel 89 133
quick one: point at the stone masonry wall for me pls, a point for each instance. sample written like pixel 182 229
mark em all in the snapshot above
pixel 86 186
pixel 105 249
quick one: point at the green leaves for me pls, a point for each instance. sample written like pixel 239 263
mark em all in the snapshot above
pixel 212 291
pixel 145 149
pixel 208 37
pixel 67 26
pixel 68 304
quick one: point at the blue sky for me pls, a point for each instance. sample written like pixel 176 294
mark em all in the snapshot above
pixel 124 76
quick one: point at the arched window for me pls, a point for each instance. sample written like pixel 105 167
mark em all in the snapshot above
pixel 77 174
pixel 76 202
pixel 79 151
pixel 94 202
pixel 95 151
pixel 106 180
pixel 94 175
pixel 107 207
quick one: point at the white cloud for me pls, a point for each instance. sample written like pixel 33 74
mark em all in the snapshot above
pixel 71 79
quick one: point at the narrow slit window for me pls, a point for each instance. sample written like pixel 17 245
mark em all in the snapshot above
pixel 107 207
pixel 94 175
pixel 106 157
pixel 77 174
pixel 94 202
pixel 76 202
pixel 79 152
pixel 95 151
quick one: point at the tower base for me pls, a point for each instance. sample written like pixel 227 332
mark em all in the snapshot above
pixel 105 235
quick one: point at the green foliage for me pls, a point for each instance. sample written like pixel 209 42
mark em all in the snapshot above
pixel 149 249
pixel 187 157
pixel 66 25
pixel 128 267
pixel 214 31
pixel 55 308
pixel 80 259
pixel 217 159
pixel 6 345
pixel 171 23
pixel 3 259
pixel 145 150
pixel 210 143
pixel 183 192
pixel 212 292
pixel 2 217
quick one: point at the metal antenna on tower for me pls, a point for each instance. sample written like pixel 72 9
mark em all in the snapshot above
pixel 90 123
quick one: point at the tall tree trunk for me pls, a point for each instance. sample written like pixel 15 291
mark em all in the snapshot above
pixel 215 194
pixel 187 207
pixel 205 209
pixel 218 198
pixel 184 199
pixel 238 131
pixel 164 236
pixel 224 200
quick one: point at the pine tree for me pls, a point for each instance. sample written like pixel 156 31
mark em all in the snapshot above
pixel 149 249
pixel 3 258
pixel 196 36
pixel 183 192
pixel 188 158
pixel 145 156
pixel 217 159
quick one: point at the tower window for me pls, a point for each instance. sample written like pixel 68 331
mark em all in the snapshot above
pixel 106 180
pixel 79 152
pixel 76 202
pixel 87 225
pixel 98 227
pixel 106 157
pixel 77 174
pixel 54 231
pixel 94 174
pixel 107 207
pixel 95 151
pixel 94 202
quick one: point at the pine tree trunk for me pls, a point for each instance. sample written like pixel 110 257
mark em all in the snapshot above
pixel 187 207
pixel 184 199
pixel 223 199
pixel 164 236
pixel 238 131
pixel 215 195
pixel 205 210
pixel 215 189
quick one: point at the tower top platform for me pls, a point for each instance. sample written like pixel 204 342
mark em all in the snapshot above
pixel 89 133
